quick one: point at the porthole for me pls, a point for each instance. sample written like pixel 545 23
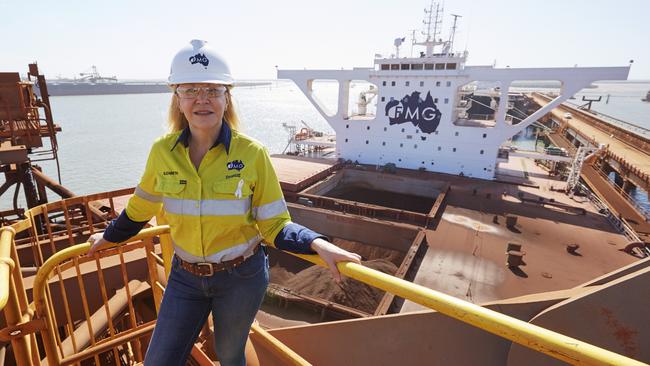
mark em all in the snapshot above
pixel 347 126
pixel 454 149
pixel 392 83
pixel 401 145
pixel 366 142
pixel 346 140
pixel 456 133
pixel 481 152
pixel 407 83
pixel 367 127
pixel 383 143
pixel 383 99
pixel 421 83
pixel 484 135
pixel 383 83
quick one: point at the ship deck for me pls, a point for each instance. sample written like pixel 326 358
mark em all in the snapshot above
pixel 466 245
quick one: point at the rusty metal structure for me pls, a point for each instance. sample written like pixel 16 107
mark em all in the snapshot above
pixel 27 136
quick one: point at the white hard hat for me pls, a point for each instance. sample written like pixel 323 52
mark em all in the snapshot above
pixel 199 63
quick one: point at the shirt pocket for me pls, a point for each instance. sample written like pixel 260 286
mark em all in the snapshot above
pixel 233 189
pixel 170 187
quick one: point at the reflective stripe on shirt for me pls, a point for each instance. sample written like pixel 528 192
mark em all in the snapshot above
pixel 270 210
pixel 206 207
pixel 147 196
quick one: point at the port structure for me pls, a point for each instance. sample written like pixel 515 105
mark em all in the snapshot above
pixel 27 136
pixel 623 150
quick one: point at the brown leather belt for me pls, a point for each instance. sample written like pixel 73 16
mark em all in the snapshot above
pixel 206 269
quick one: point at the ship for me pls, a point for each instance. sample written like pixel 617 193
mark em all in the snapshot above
pixel 647 97
pixel 472 253
pixel 93 83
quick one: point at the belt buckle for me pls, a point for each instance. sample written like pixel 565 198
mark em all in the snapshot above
pixel 209 265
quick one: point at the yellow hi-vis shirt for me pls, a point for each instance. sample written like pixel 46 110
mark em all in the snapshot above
pixel 223 210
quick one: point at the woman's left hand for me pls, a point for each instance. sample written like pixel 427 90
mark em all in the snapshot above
pixel 332 254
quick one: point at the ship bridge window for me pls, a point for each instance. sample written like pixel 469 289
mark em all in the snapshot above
pixel 428 66
pixel 383 83
pixel 394 66
pixel 392 83
pixel 383 99
pixel 417 66
pixel 421 83
pixel 440 66
pixel 446 100
pixel 451 66
pixel 385 66
pixel 437 83
pixel 406 66
pixel 435 100
pixel 407 83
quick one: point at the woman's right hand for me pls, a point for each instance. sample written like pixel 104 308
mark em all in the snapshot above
pixel 96 241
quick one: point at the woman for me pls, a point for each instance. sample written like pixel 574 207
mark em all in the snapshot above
pixel 221 197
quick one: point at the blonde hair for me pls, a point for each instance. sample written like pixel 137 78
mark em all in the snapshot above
pixel 178 122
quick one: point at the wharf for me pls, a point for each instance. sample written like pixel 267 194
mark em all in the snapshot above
pixel 631 147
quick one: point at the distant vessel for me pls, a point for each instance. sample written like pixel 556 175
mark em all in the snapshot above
pixel 92 83
pixel 647 97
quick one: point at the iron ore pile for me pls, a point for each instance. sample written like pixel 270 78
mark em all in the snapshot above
pixel 318 282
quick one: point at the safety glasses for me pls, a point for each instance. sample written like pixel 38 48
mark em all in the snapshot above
pixel 194 92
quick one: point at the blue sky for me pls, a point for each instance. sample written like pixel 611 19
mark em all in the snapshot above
pixel 137 39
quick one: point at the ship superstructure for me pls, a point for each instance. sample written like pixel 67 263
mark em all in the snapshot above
pixel 423 116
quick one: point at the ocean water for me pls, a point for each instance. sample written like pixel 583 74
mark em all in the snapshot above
pixel 106 138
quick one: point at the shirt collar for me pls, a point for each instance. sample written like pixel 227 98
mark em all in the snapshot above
pixel 225 135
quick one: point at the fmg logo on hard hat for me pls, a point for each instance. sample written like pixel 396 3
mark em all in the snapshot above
pixel 199 58
pixel 422 113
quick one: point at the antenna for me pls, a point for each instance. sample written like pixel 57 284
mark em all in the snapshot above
pixel 412 40
pixel 453 32
pixel 428 21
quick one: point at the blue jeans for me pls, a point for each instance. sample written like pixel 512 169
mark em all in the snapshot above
pixel 232 296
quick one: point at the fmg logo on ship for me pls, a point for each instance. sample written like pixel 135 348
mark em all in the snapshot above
pixel 423 113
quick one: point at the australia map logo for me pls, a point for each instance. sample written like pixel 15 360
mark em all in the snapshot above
pixel 199 58
pixel 423 113
pixel 235 164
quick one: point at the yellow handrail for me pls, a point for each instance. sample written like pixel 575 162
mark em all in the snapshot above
pixel 7 264
pixel 43 274
pixel 532 336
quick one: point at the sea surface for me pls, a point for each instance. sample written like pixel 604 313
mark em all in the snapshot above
pixel 105 139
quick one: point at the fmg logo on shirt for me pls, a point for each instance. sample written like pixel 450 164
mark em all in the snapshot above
pixel 235 164
pixel 422 113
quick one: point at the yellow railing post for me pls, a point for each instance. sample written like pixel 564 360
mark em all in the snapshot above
pixel 532 336
pixel 9 296
pixel 40 282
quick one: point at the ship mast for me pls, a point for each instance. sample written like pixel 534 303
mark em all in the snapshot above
pixel 432 18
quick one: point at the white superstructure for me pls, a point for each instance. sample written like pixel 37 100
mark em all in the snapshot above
pixel 422 118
